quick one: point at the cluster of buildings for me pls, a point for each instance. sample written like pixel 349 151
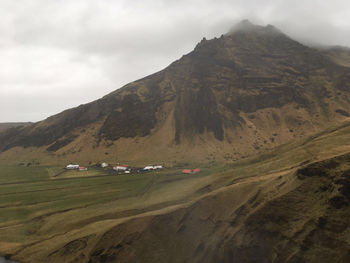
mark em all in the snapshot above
pixel 127 169
pixel 118 168
pixel 122 168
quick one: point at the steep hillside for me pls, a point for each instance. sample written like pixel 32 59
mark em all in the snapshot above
pixel 250 90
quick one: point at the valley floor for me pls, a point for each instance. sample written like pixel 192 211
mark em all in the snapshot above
pixel 288 205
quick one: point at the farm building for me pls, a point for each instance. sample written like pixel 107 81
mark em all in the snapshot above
pixel 120 167
pixel 153 167
pixel 82 168
pixel 72 166
pixel 148 168
pixel 190 171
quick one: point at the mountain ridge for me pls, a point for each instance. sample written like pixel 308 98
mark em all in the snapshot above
pixel 249 90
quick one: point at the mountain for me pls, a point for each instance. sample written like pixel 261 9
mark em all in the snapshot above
pixel 249 90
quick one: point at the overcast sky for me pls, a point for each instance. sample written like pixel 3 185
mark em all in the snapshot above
pixel 57 54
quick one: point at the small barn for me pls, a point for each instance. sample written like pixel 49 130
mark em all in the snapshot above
pixel 82 168
pixel 149 168
pixel 72 166
pixel 191 171
pixel 120 167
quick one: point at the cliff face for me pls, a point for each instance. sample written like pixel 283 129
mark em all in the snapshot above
pixel 249 90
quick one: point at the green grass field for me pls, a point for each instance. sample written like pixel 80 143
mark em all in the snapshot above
pixel 33 199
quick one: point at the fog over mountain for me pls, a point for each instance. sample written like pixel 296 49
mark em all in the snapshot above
pixel 59 54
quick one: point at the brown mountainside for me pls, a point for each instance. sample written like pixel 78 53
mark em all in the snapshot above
pixel 249 90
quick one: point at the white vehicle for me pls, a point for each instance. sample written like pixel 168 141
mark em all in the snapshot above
pixel 127 172
pixel 104 165
pixel 72 166
pixel 149 167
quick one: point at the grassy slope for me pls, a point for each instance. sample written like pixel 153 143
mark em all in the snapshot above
pixel 38 211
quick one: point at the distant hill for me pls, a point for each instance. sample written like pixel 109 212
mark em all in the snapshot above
pixel 338 54
pixel 7 125
pixel 247 91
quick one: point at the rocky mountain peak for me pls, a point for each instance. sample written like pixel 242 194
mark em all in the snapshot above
pixel 247 27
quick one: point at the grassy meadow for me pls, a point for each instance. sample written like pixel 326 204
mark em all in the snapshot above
pixel 39 201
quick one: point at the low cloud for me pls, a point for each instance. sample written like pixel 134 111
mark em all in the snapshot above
pixel 56 54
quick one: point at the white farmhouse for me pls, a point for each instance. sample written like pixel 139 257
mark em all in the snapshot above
pixel 72 166
pixel 120 167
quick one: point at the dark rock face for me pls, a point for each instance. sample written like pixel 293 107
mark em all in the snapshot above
pixel 196 111
pixel 61 142
pixel 343 112
pixel 56 127
pixel 136 118
pixel 318 169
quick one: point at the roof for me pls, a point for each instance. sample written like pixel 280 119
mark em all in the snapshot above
pixel 120 166
pixel 186 171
